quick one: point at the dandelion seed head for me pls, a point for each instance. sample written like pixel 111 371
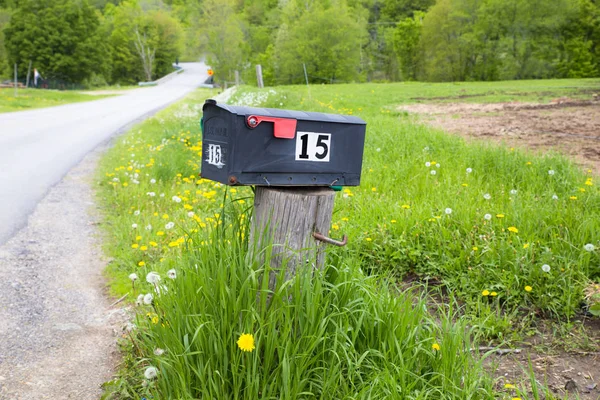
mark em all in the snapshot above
pixel 546 268
pixel 551 172
pixel 487 196
pixel 469 170
pixel 133 277
pixel 136 212
pixel 172 274
pixel 152 278
pixel 191 214
pixel 433 172
pixel 151 373
pixel 589 247
pixel 140 300
pixel 169 225
pixel 428 164
pixel 448 211
pixel 151 194
pixel 158 351
pixel 153 181
pixel 176 199
pixel 148 298
pixel 148 227
pixel 487 217
pixel 437 165
pixel 513 191
pixel 554 197
pixel 134 226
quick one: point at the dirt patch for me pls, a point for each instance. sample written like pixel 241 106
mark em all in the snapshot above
pixel 571 127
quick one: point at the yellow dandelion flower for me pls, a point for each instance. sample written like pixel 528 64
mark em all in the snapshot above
pixel 138 238
pixel 513 229
pixel 165 216
pixel 509 386
pixel 528 163
pixel 589 182
pixel 526 246
pixel 499 215
pixel 368 239
pixel 475 248
pixel 528 288
pixel 436 347
pixel 125 184
pixel 141 263
pixel 465 184
pixel 573 197
pixel 345 219
pixel 405 206
pixel 160 233
pixel 393 221
pixel 246 342
pixel 582 190
pixel 373 189
pixel 144 248
pixel 485 293
pixel 135 246
pixel 493 294
pixel 153 244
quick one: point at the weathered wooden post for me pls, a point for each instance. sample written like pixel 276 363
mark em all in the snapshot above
pixel 293 158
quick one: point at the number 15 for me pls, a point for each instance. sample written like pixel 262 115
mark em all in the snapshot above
pixel 312 146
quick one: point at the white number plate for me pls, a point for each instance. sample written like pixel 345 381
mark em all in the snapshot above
pixel 313 146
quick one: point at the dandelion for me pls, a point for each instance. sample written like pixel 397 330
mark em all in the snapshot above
pixel 509 386
pixel 162 195
pixel 368 239
pixel 158 351
pixel 153 181
pixel 135 246
pixel 133 277
pixel 493 294
pixel 437 165
pixel 136 212
pixel 151 194
pixel 378 149
pixel 589 247
pixel 485 293
pixel 246 342
pixel 405 206
pixel 448 211
pixel 436 347
pixel 554 197
pixel 134 226
pixel 373 189
pixel 513 229
pixel 487 217
pixel 475 248
pixel 172 274
pixel 573 197
pixel 130 327
pixel 148 227
pixel 176 199
pixel 546 268
pixel 148 298
pixel 152 278
pixel 191 214
pixel 151 373
pixel 513 192
pixel 428 164
pixel 528 288
pixel 140 300
pixel 169 225
pixel 499 215
pixel 433 172
pixel 487 196
pixel 142 263
pixel 551 172
pixel 469 170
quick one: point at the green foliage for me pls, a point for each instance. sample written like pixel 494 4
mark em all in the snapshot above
pixel 4 19
pixel 406 43
pixel 327 40
pixel 60 37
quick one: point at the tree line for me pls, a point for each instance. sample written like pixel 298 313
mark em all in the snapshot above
pixel 324 41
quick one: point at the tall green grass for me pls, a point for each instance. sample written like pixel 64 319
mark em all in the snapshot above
pixel 345 332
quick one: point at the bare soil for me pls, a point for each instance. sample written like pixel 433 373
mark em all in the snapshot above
pixel 571 127
pixel 569 366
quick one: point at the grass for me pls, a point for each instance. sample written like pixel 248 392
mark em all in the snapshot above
pixel 28 99
pixel 348 332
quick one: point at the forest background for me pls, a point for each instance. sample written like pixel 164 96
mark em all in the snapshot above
pixel 100 42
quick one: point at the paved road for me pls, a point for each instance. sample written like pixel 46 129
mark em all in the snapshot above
pixel 38 147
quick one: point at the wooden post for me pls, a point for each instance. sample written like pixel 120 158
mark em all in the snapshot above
pixel 16 94
pixel 287 218
pixel 259 76
pixel 28 72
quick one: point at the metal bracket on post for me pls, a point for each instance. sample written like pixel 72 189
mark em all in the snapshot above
pixel 329 240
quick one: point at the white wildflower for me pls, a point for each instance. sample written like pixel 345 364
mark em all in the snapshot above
pixel 170 225
pixel 151 194
pixel 151 373
pixel 153 278
pixel 487 217
pixel 176 199
pixel 433 172
pixel 191 214
pixel 158 351
pixel 448 211
pixel 426 148
pixel 437 165
pixel 469 170
pixel 513 192
pixel 134 226
pixel 115 179
pixel 153 181
pixel 148 227
pixel 133 277
pixel 148 298
pixel 589 247
pixel 554 197
pixel 546 268
pixel 551 172
pixel 487 196
pixel 136 212
pixel 172 274
pixel 140 300
pixel 428 164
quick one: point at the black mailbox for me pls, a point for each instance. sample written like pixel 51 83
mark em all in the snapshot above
pixel 264 146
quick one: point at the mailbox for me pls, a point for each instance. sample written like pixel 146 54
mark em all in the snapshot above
pixel 263 146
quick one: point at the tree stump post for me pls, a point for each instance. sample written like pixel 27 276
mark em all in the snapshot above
pixel 287 217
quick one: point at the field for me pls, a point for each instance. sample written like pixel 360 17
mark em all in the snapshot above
pixel 28 99
pixel 453 245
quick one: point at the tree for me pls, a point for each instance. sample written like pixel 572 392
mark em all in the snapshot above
pixel 4 19
pixel 328 41
pixel 406 43
pixel 223 37
pixel 59 37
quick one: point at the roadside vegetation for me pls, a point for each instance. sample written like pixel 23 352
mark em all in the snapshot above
pixel 451 244
pixel 28 99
